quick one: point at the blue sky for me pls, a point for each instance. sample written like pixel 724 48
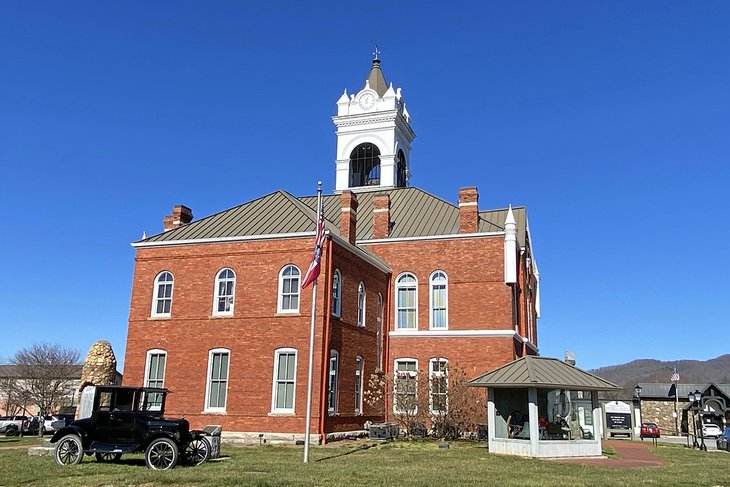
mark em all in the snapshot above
pixel 608 120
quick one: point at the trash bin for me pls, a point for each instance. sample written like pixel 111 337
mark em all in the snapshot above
pixel 213 432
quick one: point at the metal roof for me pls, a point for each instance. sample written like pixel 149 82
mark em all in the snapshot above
pixel 660 390
pixel 413 213
pixel 376 79
pixel 20 371
pixel 543 373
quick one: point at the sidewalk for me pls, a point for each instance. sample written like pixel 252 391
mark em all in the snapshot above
pixel 631 454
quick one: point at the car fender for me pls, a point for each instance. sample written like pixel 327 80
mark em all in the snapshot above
pixel 160 434
pixel 195 434
pixel 71 430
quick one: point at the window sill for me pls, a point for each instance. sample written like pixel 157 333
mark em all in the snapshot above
pixel 159 318
pixel 216 317
pixel 288 313
pixel 217 412
pixel 282 413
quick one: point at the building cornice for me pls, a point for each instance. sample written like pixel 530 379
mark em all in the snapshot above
pixel 429 237
pixel 240 238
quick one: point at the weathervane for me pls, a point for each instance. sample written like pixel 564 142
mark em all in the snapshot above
pixel 376 53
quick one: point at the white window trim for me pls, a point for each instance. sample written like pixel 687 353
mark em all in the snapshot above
pixel 216 293
pixel 274 409
pixel 414 374
pixel 360 287
pixel 208 380
pixel 279 300
pixel 337 310
pixel 154 351
pixel 155 296
pixel 398 286
pixel 358 401
pixel 332 408
pixel 431 375
pixel 379 332
pixel 430 300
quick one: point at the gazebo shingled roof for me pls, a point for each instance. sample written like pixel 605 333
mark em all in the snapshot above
pixel 543 373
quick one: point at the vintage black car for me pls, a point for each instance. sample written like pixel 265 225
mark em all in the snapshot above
pixel 129 420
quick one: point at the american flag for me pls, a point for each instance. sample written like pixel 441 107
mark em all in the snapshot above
pixel 675 376
pixel 313 271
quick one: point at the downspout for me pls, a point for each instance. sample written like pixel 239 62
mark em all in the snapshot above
pixel 326 345
pixel 386 347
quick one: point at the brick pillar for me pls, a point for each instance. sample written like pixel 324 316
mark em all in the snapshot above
pixel 181 215
pixel 381 215
pixel 468 210
pixel 348 215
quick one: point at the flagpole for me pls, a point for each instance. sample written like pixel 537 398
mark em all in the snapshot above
pixel 311 343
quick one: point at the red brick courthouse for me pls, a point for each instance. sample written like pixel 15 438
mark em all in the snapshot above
pixel 409 282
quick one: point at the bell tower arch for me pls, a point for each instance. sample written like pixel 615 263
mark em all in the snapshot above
pixel 374 136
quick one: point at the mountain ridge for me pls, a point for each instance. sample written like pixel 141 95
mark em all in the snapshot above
pixel 627 375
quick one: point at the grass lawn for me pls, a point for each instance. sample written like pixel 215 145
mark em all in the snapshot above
pixel 403 463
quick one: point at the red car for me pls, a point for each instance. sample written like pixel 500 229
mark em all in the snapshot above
pixel 649 430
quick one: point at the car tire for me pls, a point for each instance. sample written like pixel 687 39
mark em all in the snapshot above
pixel 69 450
pixel 11 432
pixel 107 457
pixel 197 452
pixel 161 454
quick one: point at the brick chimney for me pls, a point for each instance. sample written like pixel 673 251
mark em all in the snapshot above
pixel 348 215
pixel 468 210
pixel 381 215
pixel 181 215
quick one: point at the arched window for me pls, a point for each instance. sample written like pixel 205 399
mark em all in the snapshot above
pixel 439 301
pixel 406 299
pixel 225 288
pixel 337 293
pixel 289 289
pixel 284 387
pixel 365 165
pixel 361 305
pixel 401 169
pixel 217 386
pixel 332 382
pixel 359 363
pixel 379 334
pixel 439 398
pixel 162 300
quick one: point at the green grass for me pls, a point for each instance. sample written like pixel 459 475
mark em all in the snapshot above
pixel 21 441
pixel 403 463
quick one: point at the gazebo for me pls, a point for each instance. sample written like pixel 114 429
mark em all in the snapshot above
pixel 543 407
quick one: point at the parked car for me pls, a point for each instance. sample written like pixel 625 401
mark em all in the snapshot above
pixel 711 430
pixel 12 425
pixel 55 422
pixel 129 420
pixel 649 430
pixel 31 425
pixel 723 442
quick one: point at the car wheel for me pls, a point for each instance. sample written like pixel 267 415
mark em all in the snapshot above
pixel 69 450
pixel 11 432
pixel 108 457
pixel 197 452
pixel 161 454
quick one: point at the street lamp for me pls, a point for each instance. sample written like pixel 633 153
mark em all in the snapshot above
pixel 637 394
pixel 695 398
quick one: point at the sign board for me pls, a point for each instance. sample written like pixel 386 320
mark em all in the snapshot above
pixel 618 421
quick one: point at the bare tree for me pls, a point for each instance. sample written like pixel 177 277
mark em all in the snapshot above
pixel 45 374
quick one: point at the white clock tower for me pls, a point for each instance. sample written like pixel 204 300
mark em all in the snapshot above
pixel 374 136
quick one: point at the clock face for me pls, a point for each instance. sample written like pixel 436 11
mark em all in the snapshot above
pixel 366 101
